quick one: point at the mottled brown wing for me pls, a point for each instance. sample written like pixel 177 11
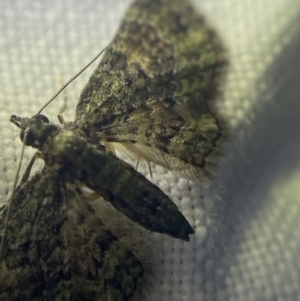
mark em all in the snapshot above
pixel 57 248
pixel 155 85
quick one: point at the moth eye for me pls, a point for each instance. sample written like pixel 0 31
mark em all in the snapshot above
pixel 43 118
pixel 29 137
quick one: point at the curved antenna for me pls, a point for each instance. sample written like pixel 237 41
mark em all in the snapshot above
pixel 13 192
pixel 74 77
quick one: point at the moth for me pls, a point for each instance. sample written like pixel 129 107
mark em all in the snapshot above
pixel 150 97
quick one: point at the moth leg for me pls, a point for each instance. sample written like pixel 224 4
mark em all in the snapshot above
pixel 60 116
pixel 137 163
pixel 28 169
pixel 150 170
pixel 109 147
pixel 148 163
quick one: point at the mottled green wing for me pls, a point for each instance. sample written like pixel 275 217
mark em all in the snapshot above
pixel 155 85
pixel 56 248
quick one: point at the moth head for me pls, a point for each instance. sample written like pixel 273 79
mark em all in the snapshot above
pixel 34 130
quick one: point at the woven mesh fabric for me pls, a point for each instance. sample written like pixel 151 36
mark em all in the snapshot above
pixel 247 241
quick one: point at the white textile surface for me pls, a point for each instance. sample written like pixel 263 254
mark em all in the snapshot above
pixel 247 241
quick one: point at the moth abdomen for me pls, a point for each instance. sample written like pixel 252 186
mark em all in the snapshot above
pixel 133 195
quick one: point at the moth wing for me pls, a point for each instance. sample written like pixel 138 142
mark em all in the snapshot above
pixel 56 248
pixel 139 152
pixel 156 85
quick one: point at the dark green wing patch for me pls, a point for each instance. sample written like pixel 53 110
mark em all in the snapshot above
pixel 156 85
pixel 56 248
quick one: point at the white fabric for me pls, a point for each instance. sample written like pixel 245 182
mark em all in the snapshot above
pixel 247 241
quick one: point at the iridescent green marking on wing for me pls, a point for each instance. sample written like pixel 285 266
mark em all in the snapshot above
pixel 157 82
pixel 57 249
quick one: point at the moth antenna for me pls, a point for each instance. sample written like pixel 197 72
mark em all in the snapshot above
pixel 13 192
pixel 65 96
pixel 72 79
pixel 60 116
